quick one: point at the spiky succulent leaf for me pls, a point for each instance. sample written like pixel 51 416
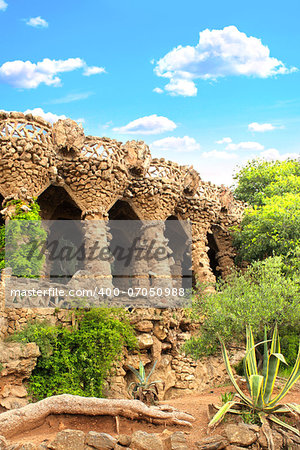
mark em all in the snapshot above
pixel 246 399
pixel 256 384
pixel 265 358
pixel 294 376
pixel 272 371
pixel 142 371
pixel 151 372
pixel 283 424
pixel 136 373
pixel 218 417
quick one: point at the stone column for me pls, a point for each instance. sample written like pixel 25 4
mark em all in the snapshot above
pixel 97 264
pixel 154 268
pixel 201 263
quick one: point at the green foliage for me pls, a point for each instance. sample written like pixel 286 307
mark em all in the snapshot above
pixel 24 227
pixel 260 296
pixel 78 359
pixel 272 225
pixel 271 229
pixel 227 397
pixel 259 180
pixel 262 402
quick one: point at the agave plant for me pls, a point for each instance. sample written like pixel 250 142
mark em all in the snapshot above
pixel 261 399
pixel 143 389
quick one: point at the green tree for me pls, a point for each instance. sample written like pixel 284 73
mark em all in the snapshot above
pixel 259 180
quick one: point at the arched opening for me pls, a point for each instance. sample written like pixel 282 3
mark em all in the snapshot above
pixel 56 204
pixel 178 239
pixel 213 255
pixel 65 234
pixel 122 238
pixel 121 210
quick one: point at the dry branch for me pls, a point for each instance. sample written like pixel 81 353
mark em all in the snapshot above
pixel 34 414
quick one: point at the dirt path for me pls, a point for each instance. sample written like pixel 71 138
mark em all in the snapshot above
pixel 195 404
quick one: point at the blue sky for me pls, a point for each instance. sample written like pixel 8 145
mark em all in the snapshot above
pixel 205 83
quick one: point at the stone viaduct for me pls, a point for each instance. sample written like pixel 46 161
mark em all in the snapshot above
pixel 74 176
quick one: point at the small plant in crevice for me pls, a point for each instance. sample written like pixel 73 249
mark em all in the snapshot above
pixel 227 397
pixel 143 389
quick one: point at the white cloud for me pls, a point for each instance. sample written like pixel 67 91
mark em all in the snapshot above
pixel 37 22
pixel 50 117
pixel 158 90
pixel 248 146
pixel 186 88
pixel 176 144
pixel 219 53
pixel 215 154
pixel 93 70
pixel 273 154
pixel 225 140
pixel 148 125
pixel 260 127
pixel 3 5
pixel 28 75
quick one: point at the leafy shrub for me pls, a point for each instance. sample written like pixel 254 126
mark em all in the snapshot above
pixel 260 296
pixel 78 359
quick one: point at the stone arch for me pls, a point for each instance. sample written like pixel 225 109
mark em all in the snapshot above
pixel 212 253
pixel 177 237
pixel 56 203
pixel 65 228
pixel 122 210
pixel 121 236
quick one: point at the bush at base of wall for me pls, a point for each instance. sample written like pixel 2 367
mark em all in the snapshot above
pixel 78 359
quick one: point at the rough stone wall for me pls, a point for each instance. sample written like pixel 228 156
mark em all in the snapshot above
pixel 161 334
pixel 97 172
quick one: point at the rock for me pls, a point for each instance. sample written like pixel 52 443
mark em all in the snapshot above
pixel 68 135
pixel 13 402
pixel 144 326
pixel 67 440
pixel 145 341
pixel 236 447
pixel 215 442
pixel 176 441
pixel 28 446
pixel 124 440
pixel 145 441
pixel 18 391
pixel 3 443
pixel 100 441
pixel 159 331
pixel 137 157
pixel 240 434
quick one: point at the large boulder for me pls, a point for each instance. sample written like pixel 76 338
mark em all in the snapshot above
pixel 17 362
pixel 68 135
